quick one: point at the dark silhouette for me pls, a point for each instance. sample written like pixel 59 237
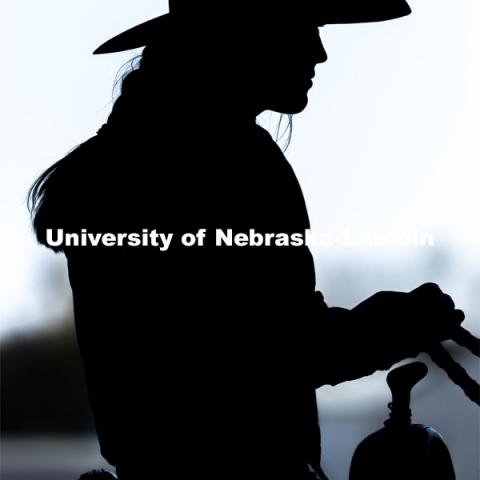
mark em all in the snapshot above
pixel 203 361
pixel 42 384
pixel 401 449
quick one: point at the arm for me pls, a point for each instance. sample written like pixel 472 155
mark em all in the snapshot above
pixel 349 349
pixel 381 331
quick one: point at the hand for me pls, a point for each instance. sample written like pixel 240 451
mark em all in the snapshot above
pixel 408 323
pixel 437 312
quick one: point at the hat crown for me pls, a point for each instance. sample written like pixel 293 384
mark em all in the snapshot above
pixel 323 11
pixel 189 7
pixel 243 8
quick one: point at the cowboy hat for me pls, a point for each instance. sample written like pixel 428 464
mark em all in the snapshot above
pixel 322 11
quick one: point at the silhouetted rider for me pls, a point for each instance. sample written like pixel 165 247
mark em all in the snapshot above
pixel 203 361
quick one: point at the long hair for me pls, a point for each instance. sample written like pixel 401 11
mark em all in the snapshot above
pixel 129 96
pixel 54 178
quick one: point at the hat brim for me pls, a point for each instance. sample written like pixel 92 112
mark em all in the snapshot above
pixel 360 11
pixel 135 37
pixel 329 12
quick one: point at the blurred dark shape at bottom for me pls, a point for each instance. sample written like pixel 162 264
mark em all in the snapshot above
pixel 98 475
pixel 415 452
pixel 401 450
pixel 42 384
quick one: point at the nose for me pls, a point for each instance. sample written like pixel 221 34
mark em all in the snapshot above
pixel 320 52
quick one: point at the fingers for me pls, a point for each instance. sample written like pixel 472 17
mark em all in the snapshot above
pixel 447 301
pixel 458 316
pixel 433 291
pixel 451 324
pixel 428 288
pixel 431 296
pixel 438 310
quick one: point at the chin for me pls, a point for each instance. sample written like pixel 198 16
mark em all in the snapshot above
pixel 290 106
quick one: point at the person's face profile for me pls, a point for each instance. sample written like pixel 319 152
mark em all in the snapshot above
pixel 286 67
pixel 264 66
